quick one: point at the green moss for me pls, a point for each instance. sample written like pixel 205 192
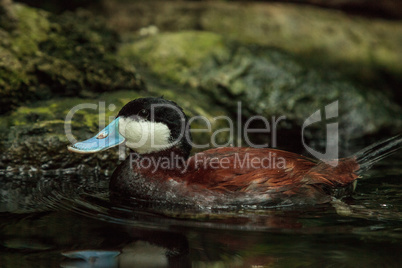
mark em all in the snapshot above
pixel 174 56
pixel 33 27
pixel 54 112
pixel 59 55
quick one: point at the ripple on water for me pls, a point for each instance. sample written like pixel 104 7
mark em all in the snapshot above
pixel 363 231
pixel 378 198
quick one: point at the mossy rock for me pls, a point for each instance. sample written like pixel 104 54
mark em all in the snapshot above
pixel 268 82
pixel 272 83
pixel 365 49
pixel 174 56
pixel 67 55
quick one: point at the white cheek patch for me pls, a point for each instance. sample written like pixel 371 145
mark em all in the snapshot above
pixel 145 136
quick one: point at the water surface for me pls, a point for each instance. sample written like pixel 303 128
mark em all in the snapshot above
pixel 65 219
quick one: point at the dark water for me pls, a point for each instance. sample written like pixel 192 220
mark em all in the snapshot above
pixel 64 219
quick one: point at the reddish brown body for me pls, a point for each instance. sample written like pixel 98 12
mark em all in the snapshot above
pixel 297 179
pixel 297 170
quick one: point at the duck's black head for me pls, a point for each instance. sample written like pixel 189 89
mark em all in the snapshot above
pixel 161 122
pixel 147 125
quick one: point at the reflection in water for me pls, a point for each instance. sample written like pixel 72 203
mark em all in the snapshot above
pixel 48 220
pixel 91 258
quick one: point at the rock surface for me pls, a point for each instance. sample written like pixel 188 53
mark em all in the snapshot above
pixel 67 55
pixel 365 49
pixel 267 81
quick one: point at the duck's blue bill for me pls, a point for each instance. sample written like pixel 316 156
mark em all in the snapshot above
pixel 107 138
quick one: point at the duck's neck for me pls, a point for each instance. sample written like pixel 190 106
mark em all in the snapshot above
pixel 147 176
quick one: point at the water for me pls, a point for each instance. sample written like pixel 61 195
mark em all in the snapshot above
pixel 65 219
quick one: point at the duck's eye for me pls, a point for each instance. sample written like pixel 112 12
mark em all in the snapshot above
pixel 143 113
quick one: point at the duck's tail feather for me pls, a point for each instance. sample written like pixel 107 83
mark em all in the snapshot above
pixel 367 157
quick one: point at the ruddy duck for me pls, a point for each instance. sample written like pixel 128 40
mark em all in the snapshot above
pixel 159 168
